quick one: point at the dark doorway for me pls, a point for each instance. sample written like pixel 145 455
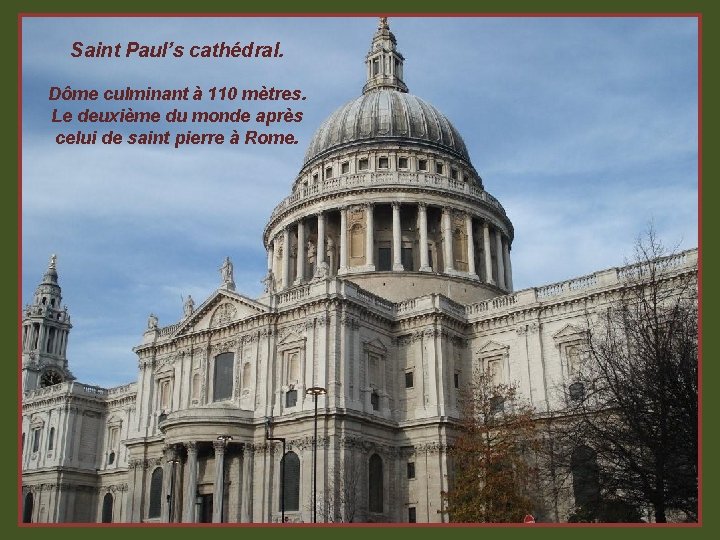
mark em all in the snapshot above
pixel 205 512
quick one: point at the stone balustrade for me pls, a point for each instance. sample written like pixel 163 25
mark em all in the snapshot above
pixel 385 179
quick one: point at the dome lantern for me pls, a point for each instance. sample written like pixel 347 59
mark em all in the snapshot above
pixel 384 63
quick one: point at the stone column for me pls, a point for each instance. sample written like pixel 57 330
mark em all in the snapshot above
pixel 470 247
pixel 422 225
pixel 447 240
pixel 321 266
pixel 343 241
pixel 247 485
pixel 488 258
pixel 508 266
pixel 191 483
pixel 168 497
pixel 271 252
pixel 300 263
pixel 397 260
pixel 499 259
pixel 370 237
pixel 219 488
pixel 286 258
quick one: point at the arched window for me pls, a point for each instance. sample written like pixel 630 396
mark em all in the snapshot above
pixel 155 493
pixel 223 381
pixel 28 508
pixel 290 466
pixel 107 508
pixel 586 477
pixel 196 386
pixel 375 489
pixel 246 375
pixel 51 439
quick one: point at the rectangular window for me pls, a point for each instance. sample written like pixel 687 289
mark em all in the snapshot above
pixel 345 167
pixel 36 440
pixel 409 383
pixel 403 163
pixel 328 172
pixel 422 165
pixel 453 174
pixel 375 401
pixel 457 380
pixel 315 178
pixel 411 470
pixel 384 258
pixel 412 516
pixel 407 258
pixel 439 168
pixel 375 66
pixel 363 164
pixel 383 163
pixel 223 379
pixel 291 398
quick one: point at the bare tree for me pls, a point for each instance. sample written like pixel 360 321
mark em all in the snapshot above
pixel 633 416
pixel 492 478
pixel 340 502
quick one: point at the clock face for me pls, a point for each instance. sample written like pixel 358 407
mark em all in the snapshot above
pixel 50 378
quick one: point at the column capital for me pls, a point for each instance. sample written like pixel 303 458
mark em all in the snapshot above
pixel 395 204
pixel 422 205
pixel 219 447
pixel 191 446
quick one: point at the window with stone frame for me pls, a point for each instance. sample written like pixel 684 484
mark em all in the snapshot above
pixel 439 167
pixel 155 502
pixel 571 342
pixel 403 163
pixel 51 439
pixel 36 433
pixel 195 387
pixel 328 172
pixel 290 472
pixel 292 367
pixel 409 379
pixel 383 162
pixel 363 164
pixel 375 484
pixel 422 165
pixel 164 394
pixel 345 167
pixel 223 376
pixel 112 446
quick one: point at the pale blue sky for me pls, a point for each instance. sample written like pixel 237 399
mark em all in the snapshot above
pixel 584 128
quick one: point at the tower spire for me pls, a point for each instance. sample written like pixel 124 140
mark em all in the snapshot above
pixel 45 329
pixel 384 63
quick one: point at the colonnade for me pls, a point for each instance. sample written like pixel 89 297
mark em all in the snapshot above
pixel 184 509
pixel 44 339
pixel 310 240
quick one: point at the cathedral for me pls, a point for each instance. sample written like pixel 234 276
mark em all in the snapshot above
pixel 333 396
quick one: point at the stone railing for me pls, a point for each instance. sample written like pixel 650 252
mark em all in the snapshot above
pixel 610 278
pixel 375 179
pixel 168 330
pixel 124 389
pixel 67 388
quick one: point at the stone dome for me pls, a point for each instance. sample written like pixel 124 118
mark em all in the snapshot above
pixel 386 115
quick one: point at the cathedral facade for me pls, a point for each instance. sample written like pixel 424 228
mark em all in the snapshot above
pixel 334 395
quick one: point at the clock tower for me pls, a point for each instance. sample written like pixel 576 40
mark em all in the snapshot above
pixel 45 329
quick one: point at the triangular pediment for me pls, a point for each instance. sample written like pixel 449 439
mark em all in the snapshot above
pixel 493 347
pixel 569 331
pixel 222 308
pixel 290 338
pixel 376 345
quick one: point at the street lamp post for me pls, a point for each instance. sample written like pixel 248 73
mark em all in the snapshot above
pixel 315 391
pixel 268 431
pixel 224 439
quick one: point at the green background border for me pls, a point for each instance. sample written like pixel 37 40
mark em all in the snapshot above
pixel 709 10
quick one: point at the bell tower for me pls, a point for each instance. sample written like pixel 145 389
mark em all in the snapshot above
pixel 45 329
